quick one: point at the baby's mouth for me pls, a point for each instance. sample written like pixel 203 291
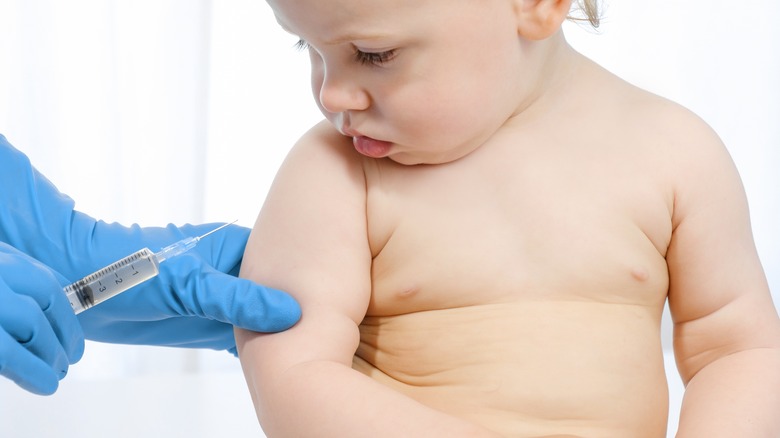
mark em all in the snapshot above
pixel 371 147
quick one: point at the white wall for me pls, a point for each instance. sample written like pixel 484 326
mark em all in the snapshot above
pixel 183 109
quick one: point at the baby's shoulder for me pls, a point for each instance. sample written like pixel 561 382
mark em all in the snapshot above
pixel 664 122
pixel 322 138
pixel 678 144
pixel 324 147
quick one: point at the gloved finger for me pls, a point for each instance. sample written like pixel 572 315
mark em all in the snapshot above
pixel 24 368
pixel 26 276
pixel 206 292
pixel 222 250
pixel 24 322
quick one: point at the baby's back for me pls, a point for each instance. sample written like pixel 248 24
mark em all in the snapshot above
pixel 522 286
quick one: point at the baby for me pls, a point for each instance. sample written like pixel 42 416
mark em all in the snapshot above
pixel 483 235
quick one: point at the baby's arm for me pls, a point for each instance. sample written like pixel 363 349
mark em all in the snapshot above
pixel 726 329
pixel 311 239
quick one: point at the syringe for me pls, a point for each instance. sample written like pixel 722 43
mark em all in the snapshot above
pixel 125 273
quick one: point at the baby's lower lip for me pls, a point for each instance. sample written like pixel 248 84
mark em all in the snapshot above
pixel 371 147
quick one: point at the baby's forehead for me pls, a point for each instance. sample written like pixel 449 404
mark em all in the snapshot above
pixel 338 21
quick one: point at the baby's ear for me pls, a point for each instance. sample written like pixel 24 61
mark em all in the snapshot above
pixel 539 19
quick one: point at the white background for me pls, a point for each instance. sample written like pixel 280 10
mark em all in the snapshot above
pixel 157 111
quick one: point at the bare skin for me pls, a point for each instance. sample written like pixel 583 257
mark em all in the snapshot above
pixel 516 287
pixel 522 287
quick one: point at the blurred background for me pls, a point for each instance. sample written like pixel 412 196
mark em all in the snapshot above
pixel 158 111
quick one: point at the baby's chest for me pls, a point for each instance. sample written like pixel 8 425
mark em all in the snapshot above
pixel 447 251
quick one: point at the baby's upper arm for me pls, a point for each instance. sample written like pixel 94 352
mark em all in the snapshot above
pixel 310 240
pixel 718 295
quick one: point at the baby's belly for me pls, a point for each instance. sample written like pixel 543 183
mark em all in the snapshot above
pixel 527 369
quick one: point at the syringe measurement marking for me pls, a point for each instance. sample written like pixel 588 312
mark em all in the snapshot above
pixel 118 279
pixel 98 287
pixel 96 275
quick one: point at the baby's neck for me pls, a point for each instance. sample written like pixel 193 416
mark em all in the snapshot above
pixel 554 65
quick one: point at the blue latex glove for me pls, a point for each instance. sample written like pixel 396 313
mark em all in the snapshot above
pixel 193 302
pixel 39 334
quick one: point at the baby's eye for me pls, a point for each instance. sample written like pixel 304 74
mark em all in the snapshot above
pixel 374 58
pixel 367 58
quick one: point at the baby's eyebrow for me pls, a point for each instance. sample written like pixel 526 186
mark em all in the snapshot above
pixel 355 37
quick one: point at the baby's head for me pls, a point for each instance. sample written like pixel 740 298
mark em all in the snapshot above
pixel 427 81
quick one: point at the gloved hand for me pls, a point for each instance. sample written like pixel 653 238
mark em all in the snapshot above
pixel 39 334
pixel 193 302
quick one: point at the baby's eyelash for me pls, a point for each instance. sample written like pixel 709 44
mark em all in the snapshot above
pixel 301 45
pixel 365 58
pixel 378 58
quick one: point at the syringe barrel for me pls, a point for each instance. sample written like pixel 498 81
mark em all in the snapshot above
pixel 112 280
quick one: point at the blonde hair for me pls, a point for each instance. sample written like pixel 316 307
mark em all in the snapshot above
pixel 586 10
